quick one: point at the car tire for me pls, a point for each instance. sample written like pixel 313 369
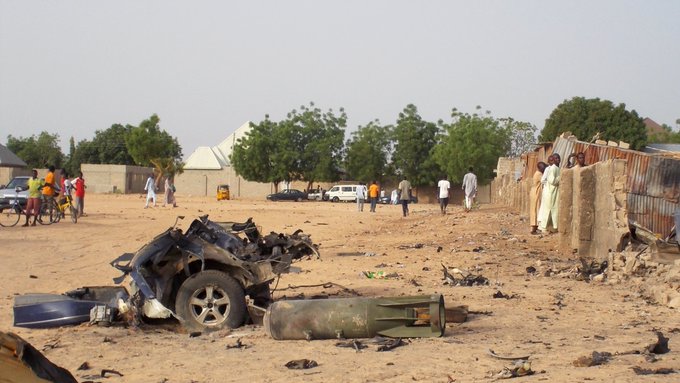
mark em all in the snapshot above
pixel 335 199
pixel 298 199
pixel 211 300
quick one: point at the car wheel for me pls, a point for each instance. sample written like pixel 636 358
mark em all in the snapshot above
pixel 211 300
pixel 298 199
pixel 336 199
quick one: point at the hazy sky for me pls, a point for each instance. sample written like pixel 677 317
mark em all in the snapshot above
pixel 205 67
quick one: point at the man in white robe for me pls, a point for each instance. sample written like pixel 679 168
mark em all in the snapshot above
pixel 548 212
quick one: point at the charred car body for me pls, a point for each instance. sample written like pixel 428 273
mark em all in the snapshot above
pixel 203 275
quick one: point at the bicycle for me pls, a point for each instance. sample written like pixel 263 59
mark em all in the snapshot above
pixel 12 213
pixel 49 210
pixel 68 204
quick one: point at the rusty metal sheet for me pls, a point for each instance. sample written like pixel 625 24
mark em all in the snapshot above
pixel 654 214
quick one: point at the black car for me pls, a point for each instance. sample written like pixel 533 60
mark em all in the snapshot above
pixel 288 195
pixel 386 200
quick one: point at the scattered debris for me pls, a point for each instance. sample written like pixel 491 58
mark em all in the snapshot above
pixel 108 340
pixel 648 371
pixel 518 369
pixel 493 354
pixel 390 344
pixel 661 345
pixel 111 372
pixel 414 246
pixel 478 249
pixel 33 276
pixel 439 249
pixel 355 344
pixel 301 364
pixel 238 345
pixel 531 270
pixel 84 366
pixel 595 359
pixel 415 283
pixel 467 279
pixel 195 334
pixel 380 275
pixel 55 343
pixel 500 294
pixel 590 270
pixel 357 254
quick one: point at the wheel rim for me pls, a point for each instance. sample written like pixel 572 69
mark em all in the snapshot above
pixel 209 305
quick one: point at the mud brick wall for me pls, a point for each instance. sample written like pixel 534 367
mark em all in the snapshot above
pixel 592 215
pixel 593 219
pixel 505 190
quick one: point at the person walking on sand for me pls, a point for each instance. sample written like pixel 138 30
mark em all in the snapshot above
pixel 150 188
pixel 444 185
pixel 549 210
pixel 470 188
pixel 361 196
pixel 373 192
pixel 535 196
pixel 169 193
pixel 33 202
pixel 404 195
pixel 79 184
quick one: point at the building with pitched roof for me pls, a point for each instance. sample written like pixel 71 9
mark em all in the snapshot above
pixel 209 166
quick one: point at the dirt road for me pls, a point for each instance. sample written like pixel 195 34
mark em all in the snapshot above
pixel 553 318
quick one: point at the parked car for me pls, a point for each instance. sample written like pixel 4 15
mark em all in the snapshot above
pixel 288 195
pixel 341 193
pixel 8 192
pixel 386 200
pixel 203 275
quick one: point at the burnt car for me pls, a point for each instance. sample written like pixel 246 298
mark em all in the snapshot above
pixel 203 276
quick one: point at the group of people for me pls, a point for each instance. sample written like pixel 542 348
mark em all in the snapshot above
pixel 545 189
pixel 168 193
pixel 402 194
pixel 372 194
pixel 44 189
pixel 469 188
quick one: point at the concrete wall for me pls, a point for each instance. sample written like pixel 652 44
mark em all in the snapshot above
pixel 592 206
pixel 204 183
pixel 7 173
pixel 124 179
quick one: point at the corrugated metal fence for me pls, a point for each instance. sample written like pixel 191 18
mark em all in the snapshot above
pixel 653 182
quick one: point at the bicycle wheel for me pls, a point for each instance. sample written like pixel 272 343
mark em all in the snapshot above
pixel 74 213
pixel 48 213
pixel 9 216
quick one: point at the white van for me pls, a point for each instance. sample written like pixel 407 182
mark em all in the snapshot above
pixel 341 193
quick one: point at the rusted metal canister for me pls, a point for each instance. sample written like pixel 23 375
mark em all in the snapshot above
pixel 399 317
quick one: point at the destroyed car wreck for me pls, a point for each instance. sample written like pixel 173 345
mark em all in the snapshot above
pixel 203 276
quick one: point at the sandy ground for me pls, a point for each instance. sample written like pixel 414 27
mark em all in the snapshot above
pixel 554 319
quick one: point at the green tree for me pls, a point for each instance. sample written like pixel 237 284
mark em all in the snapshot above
pixel 264 154
pixel 472 140
pixel 368 152
pixel 587 117
pixel 149 145
pixel 522 136
pixel 318 139
pixel 414 140
pixel 668 136
pixel 37 151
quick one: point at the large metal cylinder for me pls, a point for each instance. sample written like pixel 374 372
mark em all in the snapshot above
pixel 400 317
